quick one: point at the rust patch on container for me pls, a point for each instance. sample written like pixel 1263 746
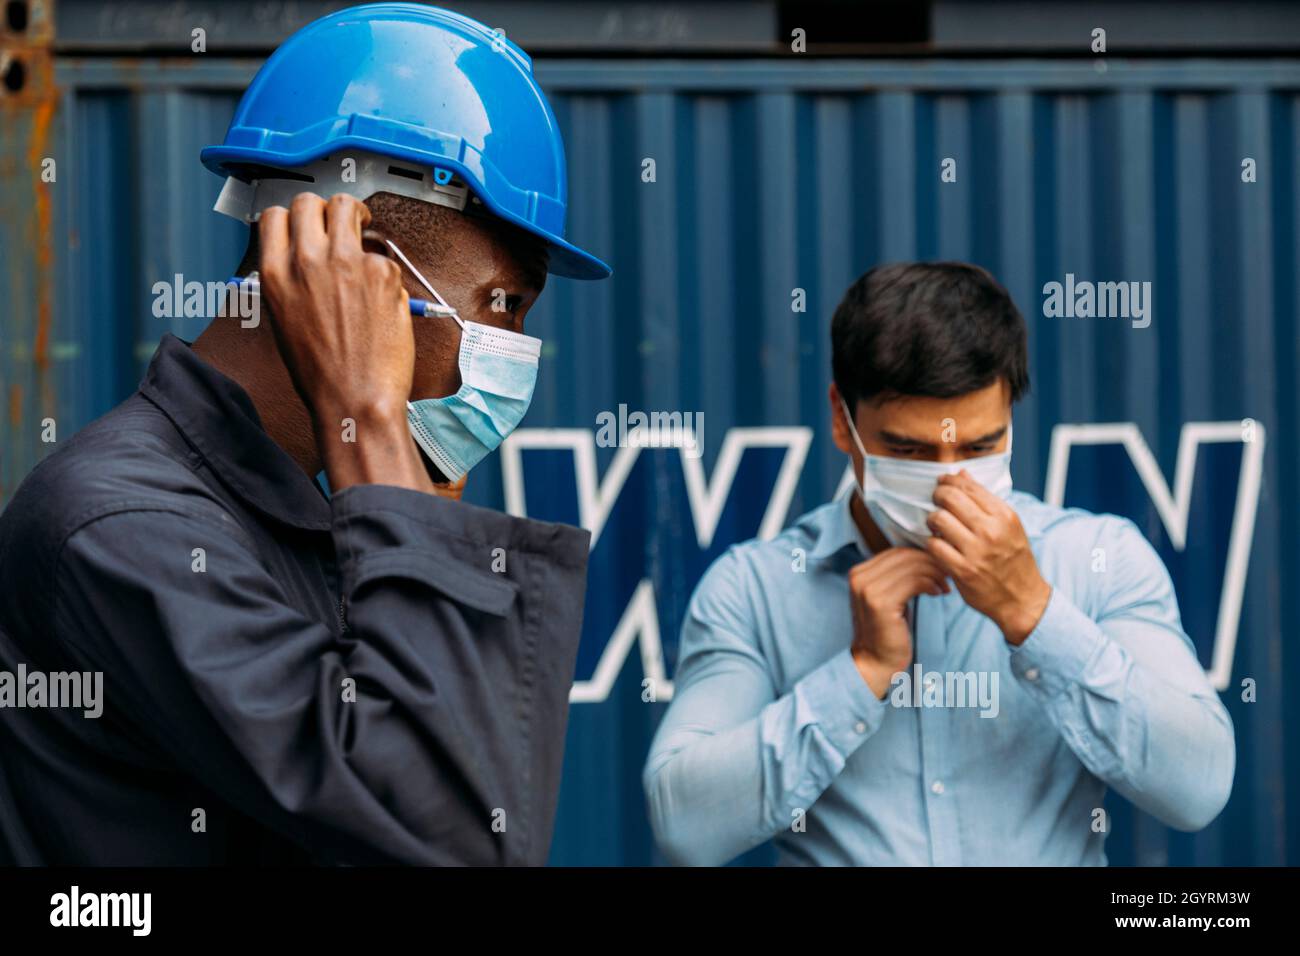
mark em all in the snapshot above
pixel 15 405
pixel 43 239
pixel 28 104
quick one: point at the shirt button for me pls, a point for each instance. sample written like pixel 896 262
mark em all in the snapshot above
pixel 937 786
pixel 860 727
pixel 1031 674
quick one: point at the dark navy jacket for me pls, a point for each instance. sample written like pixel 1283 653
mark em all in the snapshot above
pixel 380 676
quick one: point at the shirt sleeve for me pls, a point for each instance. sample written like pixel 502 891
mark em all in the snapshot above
pixel 429 731
pixel 733 763
pixel 1127 692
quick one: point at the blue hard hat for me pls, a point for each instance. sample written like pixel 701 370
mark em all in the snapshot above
pixel 419 84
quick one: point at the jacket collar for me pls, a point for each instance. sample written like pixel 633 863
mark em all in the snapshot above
pixel 218 419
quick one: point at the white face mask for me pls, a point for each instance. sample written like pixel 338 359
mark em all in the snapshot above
pixel 899 493
pixel 498 372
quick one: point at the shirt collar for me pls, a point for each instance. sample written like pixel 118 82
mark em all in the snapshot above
pixel 839 531
pixel 218 419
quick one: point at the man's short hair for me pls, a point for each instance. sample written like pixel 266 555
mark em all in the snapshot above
pixel 937 329
pixel 421 230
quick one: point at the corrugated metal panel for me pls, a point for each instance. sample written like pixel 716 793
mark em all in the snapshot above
pixel 775 176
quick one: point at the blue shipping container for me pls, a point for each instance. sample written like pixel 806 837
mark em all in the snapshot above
pixel 776 181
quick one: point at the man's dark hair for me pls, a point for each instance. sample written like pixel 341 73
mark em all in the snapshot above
pixel 938 329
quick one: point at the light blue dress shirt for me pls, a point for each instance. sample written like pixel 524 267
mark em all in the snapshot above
pixel 773 733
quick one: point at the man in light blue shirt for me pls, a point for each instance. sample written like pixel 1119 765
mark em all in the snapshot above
pixel 935 669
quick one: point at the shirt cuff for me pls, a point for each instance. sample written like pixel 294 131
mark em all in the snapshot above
pixel 1058 650
pixel 835 697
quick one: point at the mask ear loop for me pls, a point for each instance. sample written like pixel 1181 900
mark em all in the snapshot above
pixel 853 430
pixel 447 309
pixel 857 440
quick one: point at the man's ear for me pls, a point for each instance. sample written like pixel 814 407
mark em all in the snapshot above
pixel 839 427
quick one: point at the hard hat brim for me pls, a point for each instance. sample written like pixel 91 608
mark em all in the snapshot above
pixel 569 261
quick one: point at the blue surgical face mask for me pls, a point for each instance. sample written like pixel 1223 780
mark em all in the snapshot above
pixel 899 492
pixel 498 372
